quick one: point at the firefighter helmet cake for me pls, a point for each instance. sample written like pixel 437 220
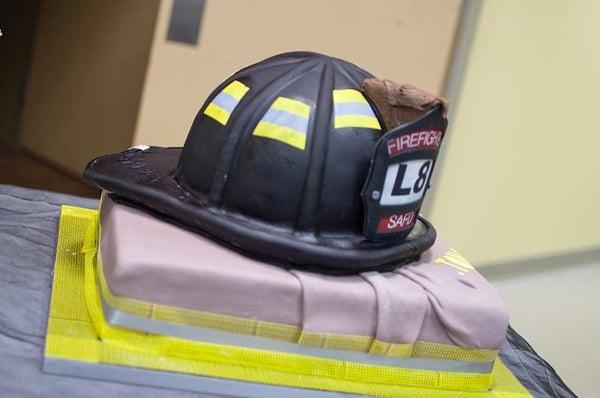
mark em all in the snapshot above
pixel 295 161
pixel 300 163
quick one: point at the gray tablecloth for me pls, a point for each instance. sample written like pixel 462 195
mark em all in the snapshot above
pixel 28 226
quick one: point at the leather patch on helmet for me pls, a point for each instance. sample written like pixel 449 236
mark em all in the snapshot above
pixel 400 175
pixel 400 103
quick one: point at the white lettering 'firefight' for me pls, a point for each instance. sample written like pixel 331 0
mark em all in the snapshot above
pixel 425 139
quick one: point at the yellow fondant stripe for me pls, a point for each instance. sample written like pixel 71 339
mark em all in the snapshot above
pixel 352 109
pixel 236 89
pixel 348 95
pixel 290 136
pixel 370 122
pixel 217 113
pixel 292 106
pixel 228 98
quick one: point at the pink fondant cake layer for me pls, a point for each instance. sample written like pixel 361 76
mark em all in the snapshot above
pixel 147 259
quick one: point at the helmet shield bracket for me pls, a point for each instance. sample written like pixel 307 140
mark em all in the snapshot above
pixel 400 175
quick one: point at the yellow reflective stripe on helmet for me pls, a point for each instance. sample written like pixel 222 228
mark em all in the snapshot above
pixel 277 132
pixel 370 122
pixel 348 95
pixel 285 121
pixel 72 337
pixel 224 103
pixel 352 109
pixel 292 106
pixel 217 113
pixel 236 89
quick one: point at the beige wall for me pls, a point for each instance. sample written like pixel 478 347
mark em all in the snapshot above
pixel 408 41
pixel 519 177
pixel 87 74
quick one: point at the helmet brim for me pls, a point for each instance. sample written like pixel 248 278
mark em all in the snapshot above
pixel 147 179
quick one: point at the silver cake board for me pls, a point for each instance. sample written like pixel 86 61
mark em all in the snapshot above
pixel 180 381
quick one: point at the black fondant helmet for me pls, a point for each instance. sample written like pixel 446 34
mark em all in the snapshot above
pixel 275 165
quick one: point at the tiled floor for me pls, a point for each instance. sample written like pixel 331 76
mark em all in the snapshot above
pixel 17 168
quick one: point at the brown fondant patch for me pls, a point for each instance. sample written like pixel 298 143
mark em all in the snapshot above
pixel 400 103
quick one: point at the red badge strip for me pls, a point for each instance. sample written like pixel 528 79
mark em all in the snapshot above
pixel 396 222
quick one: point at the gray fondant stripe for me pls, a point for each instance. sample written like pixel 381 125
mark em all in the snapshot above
pixel 225 101
pixel 180 381
pixel 120 318
pixel 286 119
pixel 353 108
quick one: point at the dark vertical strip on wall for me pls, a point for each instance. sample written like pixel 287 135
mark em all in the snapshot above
pixel 184 25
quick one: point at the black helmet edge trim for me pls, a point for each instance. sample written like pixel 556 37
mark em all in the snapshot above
pixel 256 240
